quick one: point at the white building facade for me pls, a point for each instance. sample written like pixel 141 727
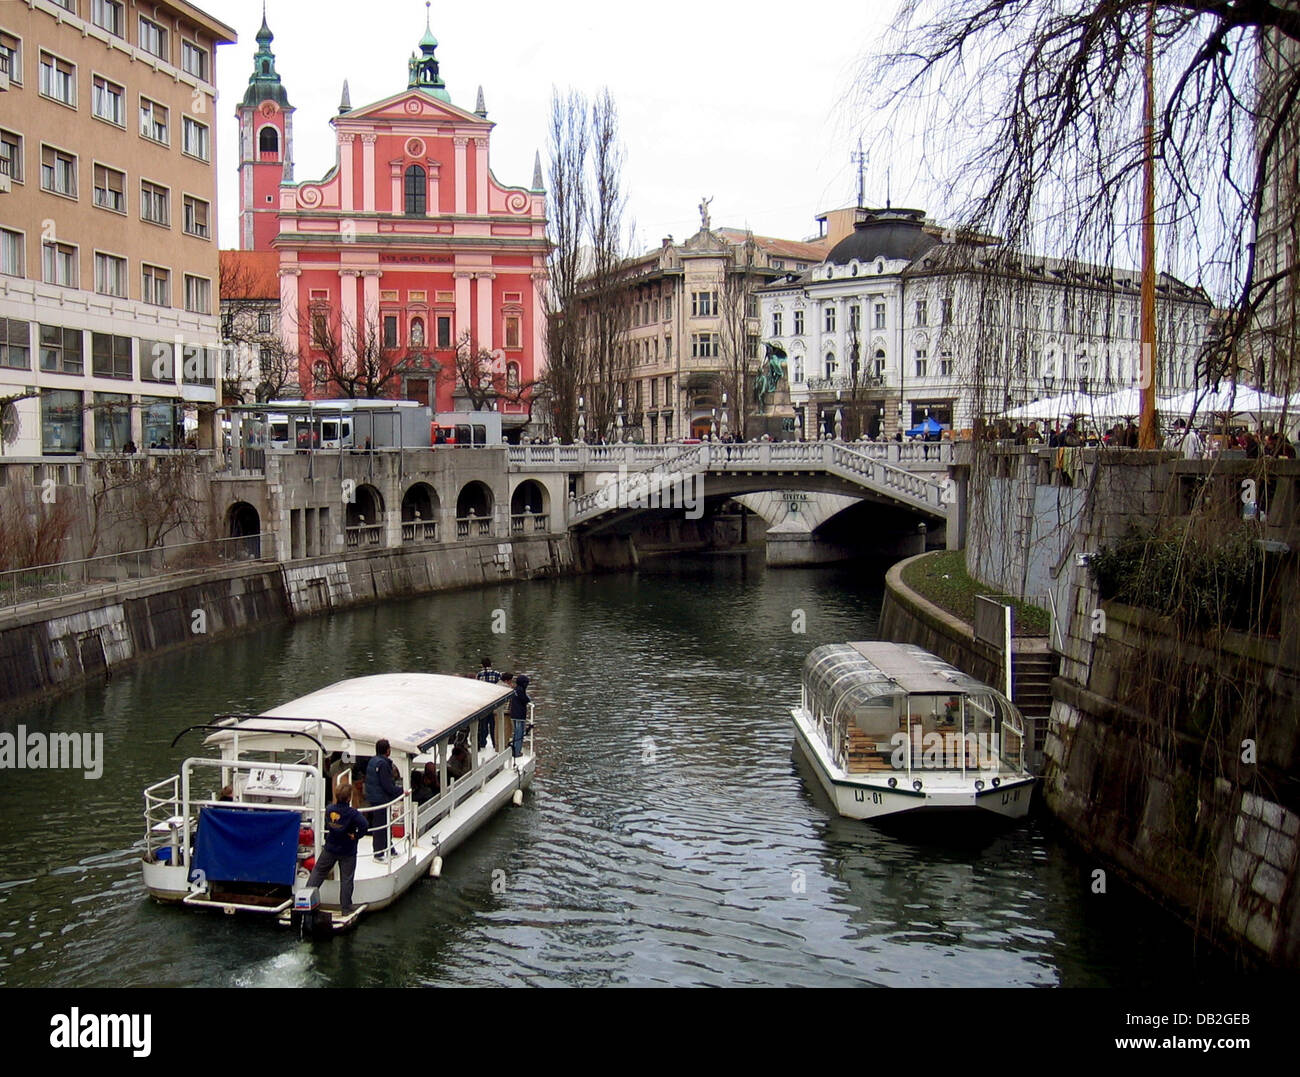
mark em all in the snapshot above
pixel 904 321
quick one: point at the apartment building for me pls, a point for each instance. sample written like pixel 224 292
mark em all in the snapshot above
pixel 691 343
pixel 904 321
pixel 109 321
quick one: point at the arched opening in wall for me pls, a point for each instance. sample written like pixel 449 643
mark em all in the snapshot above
pixel 420 513
pixel 474 510
pixel 244 523
pixel 529 508
pixel 365 518
pixel 268 142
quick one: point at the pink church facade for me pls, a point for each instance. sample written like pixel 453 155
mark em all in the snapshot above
pixel 409 242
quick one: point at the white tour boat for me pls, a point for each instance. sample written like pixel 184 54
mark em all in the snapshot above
pixel 892 731
pixel 251 849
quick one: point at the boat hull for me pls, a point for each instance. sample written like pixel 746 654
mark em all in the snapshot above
pixel 870 797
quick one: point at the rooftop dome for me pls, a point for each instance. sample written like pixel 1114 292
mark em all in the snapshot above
pixel 884 233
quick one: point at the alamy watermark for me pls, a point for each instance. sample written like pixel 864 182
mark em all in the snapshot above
pixel 946 751
pixel 652 490
pixel 52 751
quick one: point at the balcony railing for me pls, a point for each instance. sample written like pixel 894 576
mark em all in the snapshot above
pixel 519 524
pixel 845 381
pixel 419 530
pixel 363 535
pixel 473 526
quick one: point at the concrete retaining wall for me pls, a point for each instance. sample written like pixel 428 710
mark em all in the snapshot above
pixel 52 650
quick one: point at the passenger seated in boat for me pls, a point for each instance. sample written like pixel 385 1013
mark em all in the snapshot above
pixel 431 781
pixel 227 793
pixel 421 791
pixel 459 763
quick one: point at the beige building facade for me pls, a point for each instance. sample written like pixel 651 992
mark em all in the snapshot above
pixel 692 343
pixel 109 320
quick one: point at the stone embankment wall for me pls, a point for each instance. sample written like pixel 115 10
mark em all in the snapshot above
pixel 1171 754
pixel 51 649
pixel 59 645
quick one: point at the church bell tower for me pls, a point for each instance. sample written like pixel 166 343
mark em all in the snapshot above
pixel 265 148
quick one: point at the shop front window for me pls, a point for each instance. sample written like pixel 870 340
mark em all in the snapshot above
pixel 61 426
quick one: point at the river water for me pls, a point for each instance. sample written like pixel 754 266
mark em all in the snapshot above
pixel 670 836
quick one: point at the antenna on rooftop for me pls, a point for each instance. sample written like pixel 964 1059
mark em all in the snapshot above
pixel 860 159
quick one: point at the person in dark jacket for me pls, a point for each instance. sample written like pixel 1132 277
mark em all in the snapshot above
pixel 381 787
pixel 519 714
pixel 344 826
pixel 490 676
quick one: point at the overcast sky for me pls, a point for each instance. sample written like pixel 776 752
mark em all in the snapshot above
pixel 738 101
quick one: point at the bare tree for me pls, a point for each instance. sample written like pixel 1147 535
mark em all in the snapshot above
pixel 566 224
pixel 738 333
pixel 1033 110
pixel 350 358
pixel 141 502
pixel 32 532
pixel 258 365
pixel 484 378
pixel 588 362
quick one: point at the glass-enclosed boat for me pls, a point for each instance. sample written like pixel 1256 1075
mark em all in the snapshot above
pixel 890 729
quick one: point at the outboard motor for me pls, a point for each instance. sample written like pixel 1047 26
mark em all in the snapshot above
pixel 312 922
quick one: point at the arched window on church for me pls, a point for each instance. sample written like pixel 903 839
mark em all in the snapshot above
pixel 416 191
pixel 269 140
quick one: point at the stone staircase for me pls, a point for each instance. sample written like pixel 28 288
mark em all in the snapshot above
pixel 1033 672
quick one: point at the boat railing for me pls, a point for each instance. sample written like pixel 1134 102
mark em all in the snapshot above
pixel 399 816
pixel 162 808
pixel 433 811
pixel 312 812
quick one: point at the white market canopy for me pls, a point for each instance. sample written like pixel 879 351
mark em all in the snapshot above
pixel 1228 399
pixel 1053 407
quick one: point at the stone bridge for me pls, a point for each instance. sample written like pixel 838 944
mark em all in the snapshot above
pixel 618 480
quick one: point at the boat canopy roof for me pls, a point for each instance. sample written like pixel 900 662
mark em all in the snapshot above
pixel 857 673
pixel 412 710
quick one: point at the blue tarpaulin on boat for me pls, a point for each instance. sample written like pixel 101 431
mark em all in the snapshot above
pixel 248 846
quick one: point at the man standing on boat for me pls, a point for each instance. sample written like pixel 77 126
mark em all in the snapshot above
pixel 344 826
pixel 381 788
pixel 491 676
pixel 519 714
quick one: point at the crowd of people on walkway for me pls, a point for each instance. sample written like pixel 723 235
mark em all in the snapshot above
pixel 1182 437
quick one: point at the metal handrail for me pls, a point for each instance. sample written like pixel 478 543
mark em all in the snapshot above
pixel 71 577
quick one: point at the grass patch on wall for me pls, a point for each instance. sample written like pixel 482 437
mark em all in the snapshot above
pixel 941 577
